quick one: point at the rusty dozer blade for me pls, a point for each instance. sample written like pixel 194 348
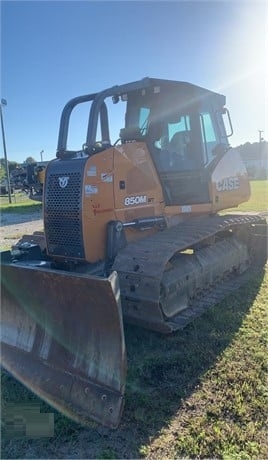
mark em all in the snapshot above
pixel 62 336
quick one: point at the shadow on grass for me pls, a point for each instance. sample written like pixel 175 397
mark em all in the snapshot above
pixel 162 370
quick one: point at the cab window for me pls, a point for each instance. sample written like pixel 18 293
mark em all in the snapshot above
pixel 209 140
pixel 143 119
pixel 181 126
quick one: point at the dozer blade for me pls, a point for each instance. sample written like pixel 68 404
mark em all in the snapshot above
pixel 62 336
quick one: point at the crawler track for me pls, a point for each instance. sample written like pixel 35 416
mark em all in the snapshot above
pixel 164 289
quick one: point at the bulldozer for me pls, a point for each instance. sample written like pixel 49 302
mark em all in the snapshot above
pixel 134 231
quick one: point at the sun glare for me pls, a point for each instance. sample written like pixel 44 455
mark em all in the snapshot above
pixel 244 70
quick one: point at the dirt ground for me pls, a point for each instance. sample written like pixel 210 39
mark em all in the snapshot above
pixel 13 226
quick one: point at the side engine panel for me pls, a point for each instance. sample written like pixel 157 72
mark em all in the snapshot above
pixel 138 192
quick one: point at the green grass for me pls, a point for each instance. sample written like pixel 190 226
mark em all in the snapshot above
pixel 225 416
pixel 200 393
pixel 21 204
pixel 259 197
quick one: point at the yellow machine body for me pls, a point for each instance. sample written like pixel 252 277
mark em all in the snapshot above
pixel 122 184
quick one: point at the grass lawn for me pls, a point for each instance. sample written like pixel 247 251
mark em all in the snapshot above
pixel 20 204
pixel 199 393
pixel 259 197
pixel 225 415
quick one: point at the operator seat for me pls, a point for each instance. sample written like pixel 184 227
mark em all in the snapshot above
pixel 178 151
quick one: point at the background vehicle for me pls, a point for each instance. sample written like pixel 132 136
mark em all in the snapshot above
pixel 35 177
pixel 30 177
pixel 131 229
pixel 4 187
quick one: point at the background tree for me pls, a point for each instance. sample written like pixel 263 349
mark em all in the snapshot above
pixel 2 173
pixel 11 166
pixel 30 160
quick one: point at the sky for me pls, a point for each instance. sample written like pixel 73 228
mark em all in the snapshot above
pixel 52 51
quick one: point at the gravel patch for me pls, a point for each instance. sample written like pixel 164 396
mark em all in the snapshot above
pixel 14 225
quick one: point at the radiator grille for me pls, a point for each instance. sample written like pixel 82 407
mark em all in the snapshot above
pixel 63 219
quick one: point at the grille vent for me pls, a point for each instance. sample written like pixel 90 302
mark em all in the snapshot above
pixel 63 219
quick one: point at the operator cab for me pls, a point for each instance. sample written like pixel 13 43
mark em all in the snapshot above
pixel 183 128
